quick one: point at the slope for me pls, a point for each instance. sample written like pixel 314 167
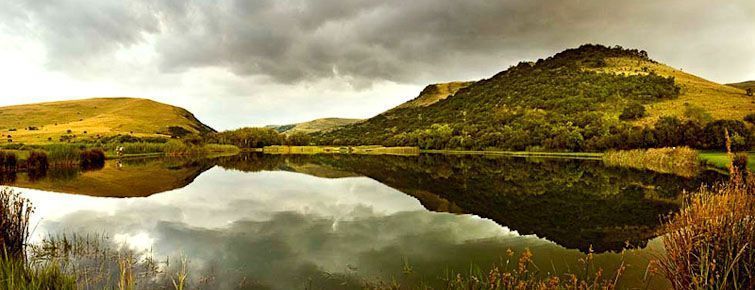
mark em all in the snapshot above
pixel 570 101
pixel 45 122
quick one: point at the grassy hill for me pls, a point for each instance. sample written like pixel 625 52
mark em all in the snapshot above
pixel 434 93
pixel 743 85
pixel 590 98
pixel 317 125
pixel 91 117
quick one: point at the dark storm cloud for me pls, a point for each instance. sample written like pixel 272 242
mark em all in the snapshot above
pixel 394 40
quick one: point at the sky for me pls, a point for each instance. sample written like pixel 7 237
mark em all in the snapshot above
pixel 240 63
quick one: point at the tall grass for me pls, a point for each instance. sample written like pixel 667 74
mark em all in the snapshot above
pixel 682 161
pixel 15 211
pixel 710 243
pixel 63 154
pixel 15 271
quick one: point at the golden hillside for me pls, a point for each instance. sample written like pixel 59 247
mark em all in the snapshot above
pixel 91 117
pixel 720 101
pixel 317 125
pixel 434 93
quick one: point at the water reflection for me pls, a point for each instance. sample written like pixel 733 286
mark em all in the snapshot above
pixel 339 220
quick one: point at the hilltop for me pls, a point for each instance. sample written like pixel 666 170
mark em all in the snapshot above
pixel 314 126
pixel 590 98
pixel 53 121
pixel 434 93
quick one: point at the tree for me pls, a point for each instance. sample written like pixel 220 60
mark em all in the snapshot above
pixel 715 134
pixel 668 131
pixel 298 139
pixel 632 112
pixel 178 131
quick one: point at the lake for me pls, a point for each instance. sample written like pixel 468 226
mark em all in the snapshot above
pixel 335 221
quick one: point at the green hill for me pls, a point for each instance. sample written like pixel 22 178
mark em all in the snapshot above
pixel 744 85
pixel 314 126
pixel 590 98
pixel 45 122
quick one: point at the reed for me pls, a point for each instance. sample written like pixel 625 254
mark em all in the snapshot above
pixel 682 161
pixel 15 211
pixel 710 243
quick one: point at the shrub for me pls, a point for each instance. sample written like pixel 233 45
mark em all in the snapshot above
pixel 37 161
pixel 750 118
pixel 92 159
pixel 632 112
pixel 8 161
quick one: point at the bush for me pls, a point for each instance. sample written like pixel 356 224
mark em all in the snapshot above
pixel 8 161
pixel 632 112
pixel 92 159
pixel 37 161
pixel 750 118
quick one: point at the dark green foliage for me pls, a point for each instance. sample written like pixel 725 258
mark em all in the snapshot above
pixel 178 131
pixel 92 159
pixel 247 137
pixel 715 132
pixel 37 161
pixel 632 112
pixel 750 118
pixel 298 139
pixel 553 103
pixel 667 132
pixel 8 161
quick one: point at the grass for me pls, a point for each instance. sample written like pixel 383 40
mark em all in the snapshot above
pixel 99 116
pixel 367 150
pixel 710 243
pixel 720 101
pixel 319 125
pixel 681 161
pixel 513 272
pixel 434 93
pixel 15 270
pixel 722 160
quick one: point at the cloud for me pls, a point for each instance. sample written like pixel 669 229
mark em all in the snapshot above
pixel 401 41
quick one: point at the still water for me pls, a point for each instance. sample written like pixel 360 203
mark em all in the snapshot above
pixel 335 221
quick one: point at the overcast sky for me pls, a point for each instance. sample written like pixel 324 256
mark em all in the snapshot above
pixel 242 63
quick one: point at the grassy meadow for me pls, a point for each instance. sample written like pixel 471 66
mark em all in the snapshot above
pixel 86 119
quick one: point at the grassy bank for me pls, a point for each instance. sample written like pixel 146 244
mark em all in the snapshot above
pixel 681 161
pixel 722 160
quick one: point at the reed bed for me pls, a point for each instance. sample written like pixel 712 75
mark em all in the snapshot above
pixel 710 243
pixel 682 161
pixel 15 212
pixel 515 273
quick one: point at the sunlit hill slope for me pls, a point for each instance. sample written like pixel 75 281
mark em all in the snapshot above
pixel 80 119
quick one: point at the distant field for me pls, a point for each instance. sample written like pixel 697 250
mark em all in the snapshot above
pixel 317 125
pixel 47 122
pixel 720 101
pixel 720 159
